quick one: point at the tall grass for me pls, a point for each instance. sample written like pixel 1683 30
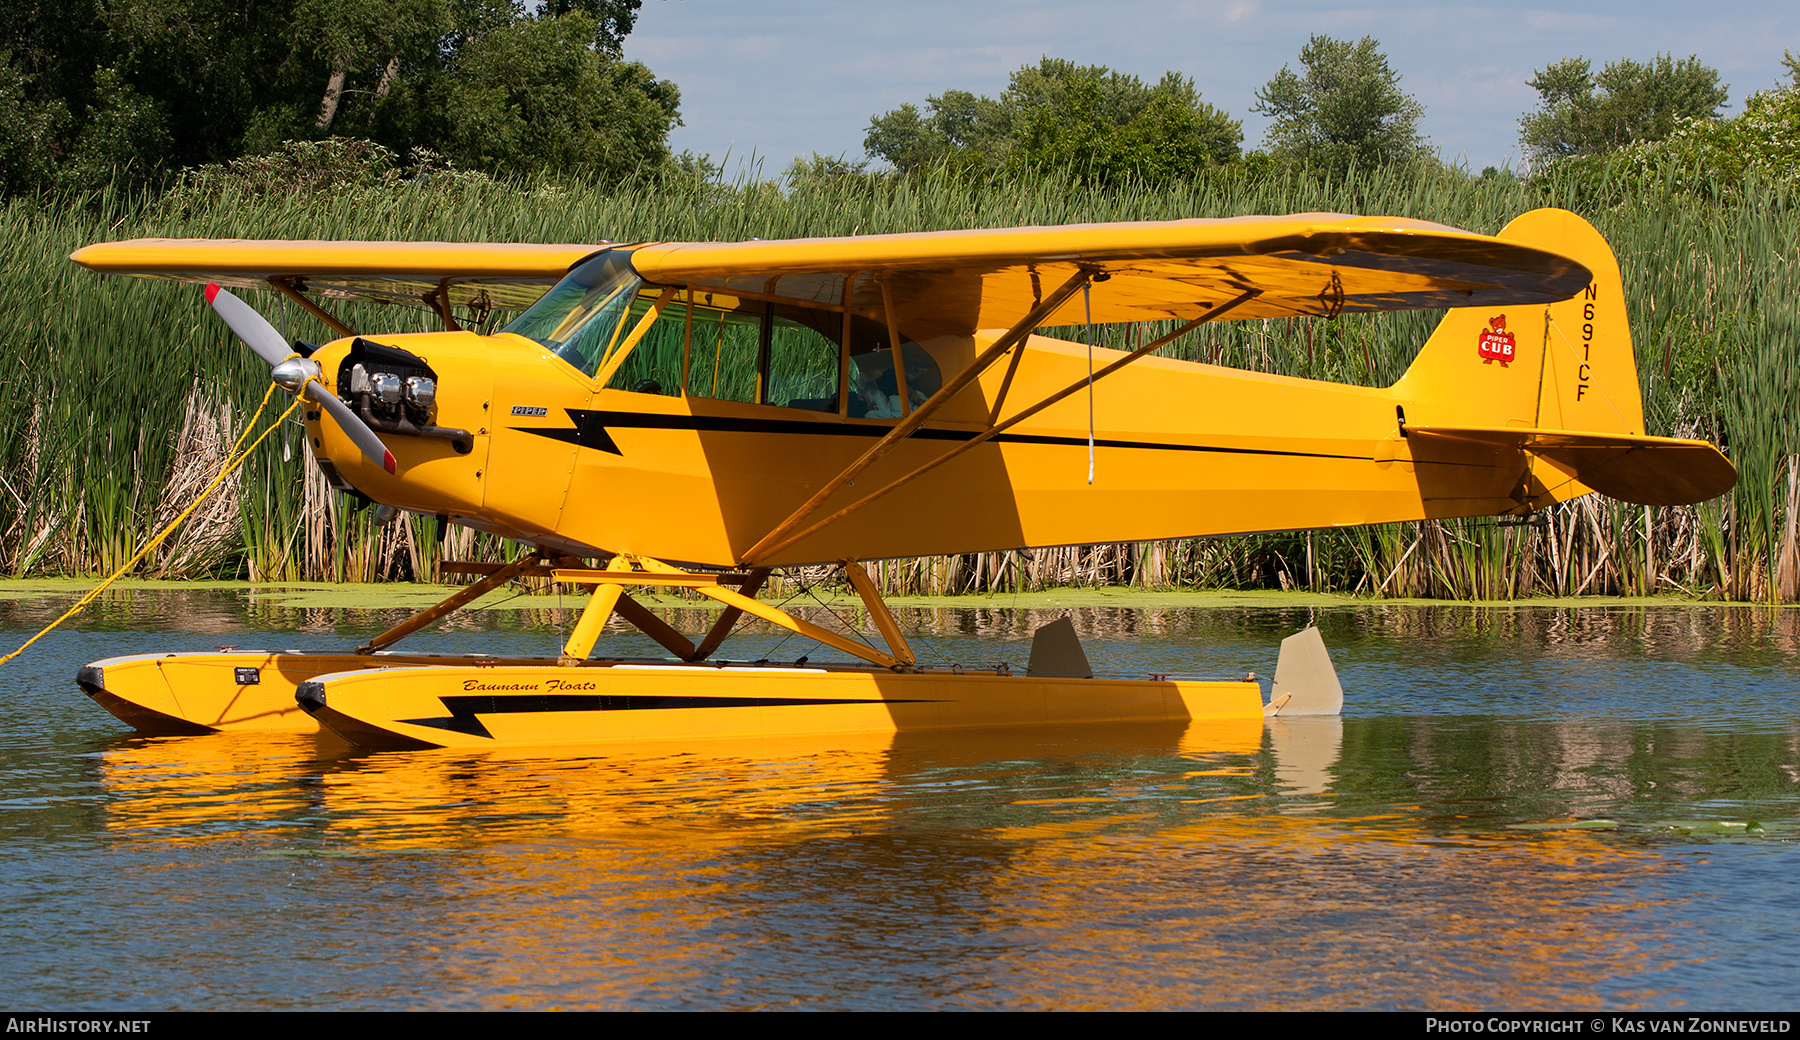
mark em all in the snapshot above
pixel 101 375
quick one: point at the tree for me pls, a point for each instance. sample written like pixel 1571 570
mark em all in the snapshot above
pixel 1580 113
pixel 1103 125
pixel 148 86
pixel 374 38
pixel 1711 156
pixel 1347 109
pixel 93 91
pixel 822 169
pixel 613 19
pixel 28 131
pixel 960 127
pixel 498 89
pixel 536 95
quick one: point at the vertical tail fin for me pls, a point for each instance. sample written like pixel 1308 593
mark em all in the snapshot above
pixel 1558 384
pixel 1566 366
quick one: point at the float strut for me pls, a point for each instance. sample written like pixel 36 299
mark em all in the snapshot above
pixel 594 617
pixel 456 602
pixel 729 616
pixel 654 627
pixel 878 611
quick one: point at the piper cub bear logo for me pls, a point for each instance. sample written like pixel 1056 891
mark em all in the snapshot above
pixel 1495 343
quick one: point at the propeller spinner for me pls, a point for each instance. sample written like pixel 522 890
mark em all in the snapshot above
pixel 293 373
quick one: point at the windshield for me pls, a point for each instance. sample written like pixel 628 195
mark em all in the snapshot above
pixel 579 318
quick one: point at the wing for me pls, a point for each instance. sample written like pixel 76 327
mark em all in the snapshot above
pixel 941 281
pixel 1649 471
pixel 956 281
pixel 478 274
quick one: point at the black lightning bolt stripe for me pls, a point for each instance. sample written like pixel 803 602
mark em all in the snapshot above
pixel 590 429
pixel 463 709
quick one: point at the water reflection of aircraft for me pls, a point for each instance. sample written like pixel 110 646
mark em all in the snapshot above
pixel 1083 856
pixel 738 407
pixel 172 788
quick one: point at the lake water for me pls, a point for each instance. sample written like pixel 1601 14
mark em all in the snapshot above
pixel 1520 808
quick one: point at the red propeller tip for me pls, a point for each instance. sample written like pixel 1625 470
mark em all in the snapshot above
pixel 211 291
pixel 388 463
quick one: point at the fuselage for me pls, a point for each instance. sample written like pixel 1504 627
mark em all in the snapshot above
pixel 554 458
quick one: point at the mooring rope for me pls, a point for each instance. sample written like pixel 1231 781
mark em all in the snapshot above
pixel 232 462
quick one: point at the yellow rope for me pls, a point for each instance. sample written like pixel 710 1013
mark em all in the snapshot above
pixel 232 462
pixel 260 405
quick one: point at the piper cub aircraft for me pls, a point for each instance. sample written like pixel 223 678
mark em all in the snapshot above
pixel 697 414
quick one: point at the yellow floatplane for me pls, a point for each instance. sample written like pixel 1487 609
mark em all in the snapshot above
pixel 695 415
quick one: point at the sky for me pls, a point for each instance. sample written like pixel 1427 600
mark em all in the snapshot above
pixel 773 80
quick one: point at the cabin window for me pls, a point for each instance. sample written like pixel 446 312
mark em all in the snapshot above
pixel 802 369
pixel 731 349
pixel 727 341
pixel 579 318
pixel 654 365
pixel 874 384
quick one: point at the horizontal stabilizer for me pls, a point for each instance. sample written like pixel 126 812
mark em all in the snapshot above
pixel 1648 471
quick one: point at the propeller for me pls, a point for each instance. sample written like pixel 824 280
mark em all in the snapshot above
pixel 291 372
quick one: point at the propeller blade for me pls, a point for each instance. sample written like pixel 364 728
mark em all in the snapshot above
pixel 353 426
pixel 271 346
pixel 251 327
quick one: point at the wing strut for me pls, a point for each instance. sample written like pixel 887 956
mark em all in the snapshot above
pixel 439 300
pixel 779 537
pixel 285 288
pixel 994 430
